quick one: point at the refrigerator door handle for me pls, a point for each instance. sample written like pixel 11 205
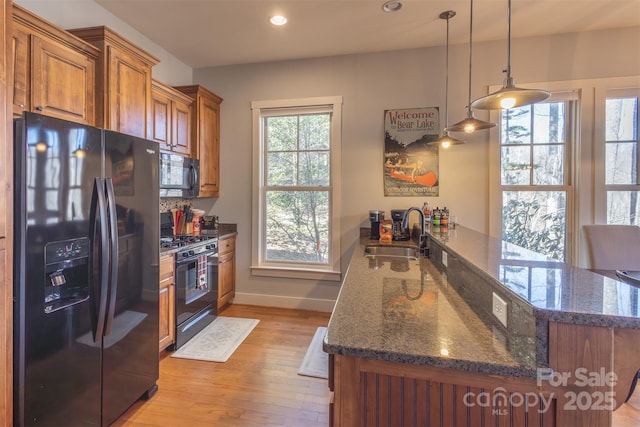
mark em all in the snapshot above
pixel 113 262
pixel 98 213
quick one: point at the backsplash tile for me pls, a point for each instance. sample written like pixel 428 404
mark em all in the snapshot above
pixel 166 203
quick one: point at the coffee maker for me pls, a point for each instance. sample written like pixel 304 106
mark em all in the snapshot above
pixel 375 217
pixel 398 231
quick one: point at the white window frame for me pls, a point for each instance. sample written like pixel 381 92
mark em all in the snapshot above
pixel 587 163
pixel 259 265
pixel 601 99
pixel 570 143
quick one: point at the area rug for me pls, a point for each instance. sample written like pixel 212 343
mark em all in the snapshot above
pixel 315 363
pixel 218 341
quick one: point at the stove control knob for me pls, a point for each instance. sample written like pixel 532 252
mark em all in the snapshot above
pixel 191 252
pixel 184 254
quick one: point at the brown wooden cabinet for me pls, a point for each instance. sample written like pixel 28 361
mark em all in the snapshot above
pixel 167 302
pixel 226 270
pixel 206 137
pixel 171 125
pixel 366 390
pixel 6 211
pixel 123 82
pixel 54 72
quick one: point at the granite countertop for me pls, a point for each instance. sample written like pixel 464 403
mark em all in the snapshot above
pixel 405 311
pixel 557 291
pixel 226 230
pixel 423 313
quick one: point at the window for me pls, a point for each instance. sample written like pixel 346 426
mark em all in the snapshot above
pixel 570 161
pixel 535 146
pixel 296 189
pixel 622 180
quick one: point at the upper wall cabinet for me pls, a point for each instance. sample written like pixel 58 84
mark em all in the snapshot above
pixel 54 72
pixel 206 137
pixel 123 82
pixel 171 112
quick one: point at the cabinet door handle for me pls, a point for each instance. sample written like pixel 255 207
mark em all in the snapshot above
pixel 39 108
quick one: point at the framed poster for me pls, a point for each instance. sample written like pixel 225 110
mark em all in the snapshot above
pixel 410 165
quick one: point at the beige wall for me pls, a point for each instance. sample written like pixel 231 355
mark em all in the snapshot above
pixel 371 83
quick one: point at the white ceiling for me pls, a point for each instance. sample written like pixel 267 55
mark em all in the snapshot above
pixel 207 33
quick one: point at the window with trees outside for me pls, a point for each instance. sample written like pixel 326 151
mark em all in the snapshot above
pixel 622 180
pixel 296 160
pixel 535 148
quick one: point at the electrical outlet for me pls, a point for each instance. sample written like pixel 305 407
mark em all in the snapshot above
pixel 444 258
pixel 500 309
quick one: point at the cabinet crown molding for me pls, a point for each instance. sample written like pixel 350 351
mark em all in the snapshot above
pixel 194 90
pixel 41 26
pixel 102 35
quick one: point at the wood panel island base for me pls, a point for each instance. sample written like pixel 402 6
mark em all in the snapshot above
pixel 377 393
pixel 409 345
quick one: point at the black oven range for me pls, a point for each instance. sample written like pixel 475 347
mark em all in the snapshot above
pixel 196 280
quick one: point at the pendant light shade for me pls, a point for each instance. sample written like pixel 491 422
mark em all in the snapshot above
pixel 445 141
pixel 509 96
pixel 470 124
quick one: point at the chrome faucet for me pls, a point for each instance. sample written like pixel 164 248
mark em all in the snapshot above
pixel 424 250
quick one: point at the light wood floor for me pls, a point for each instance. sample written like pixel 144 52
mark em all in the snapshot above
pixel 259 385
pixel 628 415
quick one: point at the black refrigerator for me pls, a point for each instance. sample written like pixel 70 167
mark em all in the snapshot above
pixel 86 214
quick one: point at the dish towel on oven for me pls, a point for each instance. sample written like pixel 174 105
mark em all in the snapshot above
pixel 202 272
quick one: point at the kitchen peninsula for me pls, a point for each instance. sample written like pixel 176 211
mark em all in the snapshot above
pixel 415 342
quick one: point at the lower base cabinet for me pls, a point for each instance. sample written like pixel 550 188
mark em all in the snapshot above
pixel 226 270
pixel 368 392
pixel 167 302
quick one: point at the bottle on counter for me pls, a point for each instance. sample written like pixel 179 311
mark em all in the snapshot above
pixel 435 216
pixel 444 217
pixel 197 221
pixel 427 214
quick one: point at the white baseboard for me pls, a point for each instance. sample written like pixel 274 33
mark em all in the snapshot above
pixel 313 304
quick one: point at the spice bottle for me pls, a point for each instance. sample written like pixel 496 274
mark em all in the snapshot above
pixel 444 217
pixel 435 216
pixel 427 214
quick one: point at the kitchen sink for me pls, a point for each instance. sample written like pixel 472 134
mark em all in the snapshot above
pixel 406 252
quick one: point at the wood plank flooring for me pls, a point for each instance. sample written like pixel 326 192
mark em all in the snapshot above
pixel 259 385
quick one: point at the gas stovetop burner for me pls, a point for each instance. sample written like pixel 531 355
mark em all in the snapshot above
pixel 169 243
pixel 182 240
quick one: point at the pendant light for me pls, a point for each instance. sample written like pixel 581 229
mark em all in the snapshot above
pixel 445 141
pixel 470 124
pixel 509 96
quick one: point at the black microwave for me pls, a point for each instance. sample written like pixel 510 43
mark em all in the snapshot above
pixel 179 176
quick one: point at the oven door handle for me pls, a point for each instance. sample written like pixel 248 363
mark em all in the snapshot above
pixel 192 258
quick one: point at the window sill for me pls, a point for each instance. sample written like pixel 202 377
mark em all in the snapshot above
pixel 294 273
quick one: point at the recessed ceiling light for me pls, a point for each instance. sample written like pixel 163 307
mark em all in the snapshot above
pixel 392 6
pixel 278 20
